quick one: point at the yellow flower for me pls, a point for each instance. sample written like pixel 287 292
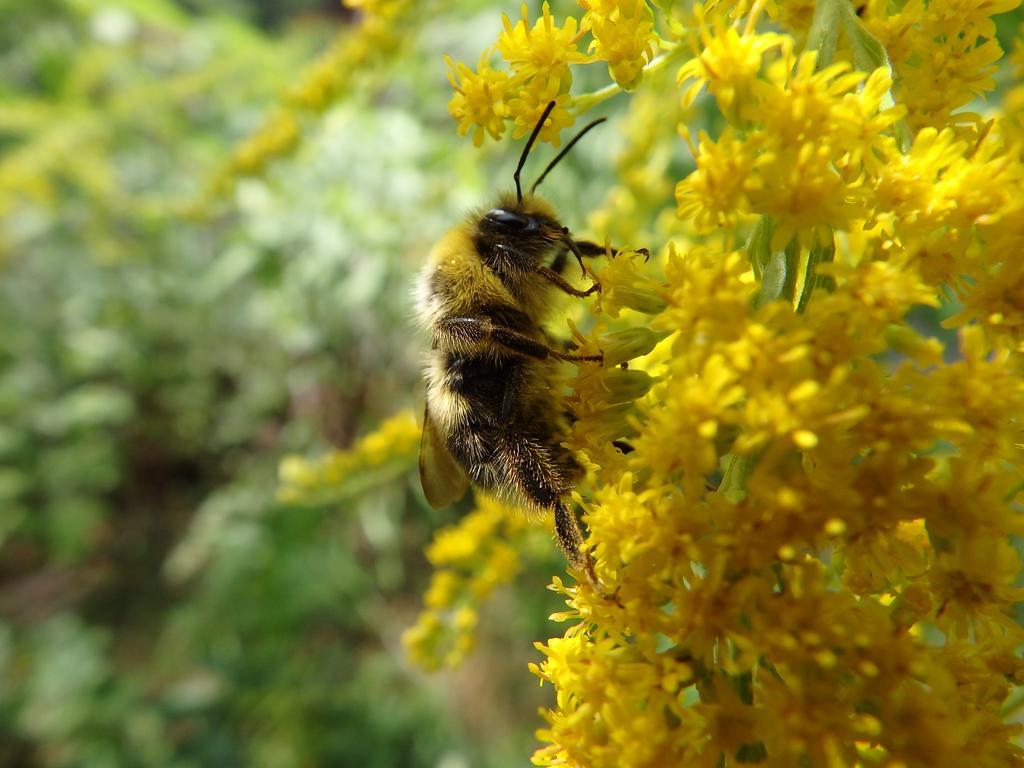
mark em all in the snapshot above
pixel 716 193
pixel 623 36
pixel 944 54
pixel 804 166
pixel 545 50
pixel 728 64
pixel 472 560
pixel 530 102
pixel 479 98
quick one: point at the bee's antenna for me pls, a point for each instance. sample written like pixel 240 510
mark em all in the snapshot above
pixel 529 146
pixel 565 151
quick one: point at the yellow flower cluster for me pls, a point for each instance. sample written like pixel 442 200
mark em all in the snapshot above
pixel 811 555
pixel 539 58
pixel 810 613
pixel 394 442
pixel 623 36
pixel 944 53
pixel 800 142
pixel 471 559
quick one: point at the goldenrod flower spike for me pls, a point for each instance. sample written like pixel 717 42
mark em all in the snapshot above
pixel 800 496
pixel 472 559
pixel 304 481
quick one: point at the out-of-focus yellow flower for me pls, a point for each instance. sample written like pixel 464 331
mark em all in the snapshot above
pixel 794 15
pixel 380 30
pixel 302 480
pixel 376 7
pixel 277 136
pixel 471 559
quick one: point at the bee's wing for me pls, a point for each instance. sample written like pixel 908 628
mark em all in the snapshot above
pixel 443 480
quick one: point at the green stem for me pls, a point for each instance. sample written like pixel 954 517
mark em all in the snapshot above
pixel 1013 704
pixel 587 101
pixel 759 245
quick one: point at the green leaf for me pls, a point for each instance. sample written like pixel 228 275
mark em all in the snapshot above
pixel 773 282
pixel 819 254
pixel 759 245
pixel 823 35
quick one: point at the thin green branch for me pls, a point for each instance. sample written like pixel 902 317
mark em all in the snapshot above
pixel 588 101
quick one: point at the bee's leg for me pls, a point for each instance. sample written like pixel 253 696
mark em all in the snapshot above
pixel 587 248
pixel 558 263
pixel 456 330
pixel 570 541
pixel 530 467
pixel 553 277
pixel 581 248
pixel 573 246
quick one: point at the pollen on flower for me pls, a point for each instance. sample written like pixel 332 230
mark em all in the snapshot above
pixel 835 526
pixel 805 439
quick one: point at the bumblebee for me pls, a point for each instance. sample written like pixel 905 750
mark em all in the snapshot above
pixel 493 417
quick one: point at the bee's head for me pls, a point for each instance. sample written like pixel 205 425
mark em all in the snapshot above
pixel 519 232
pixel 527 218
pixel 510 222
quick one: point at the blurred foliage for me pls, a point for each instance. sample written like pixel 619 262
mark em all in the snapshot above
pixel 168 338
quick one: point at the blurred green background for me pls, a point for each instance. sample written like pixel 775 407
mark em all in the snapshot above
pixel 176 316
pixel 170 329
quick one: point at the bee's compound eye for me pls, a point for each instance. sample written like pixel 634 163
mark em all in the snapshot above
pixel 510 219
